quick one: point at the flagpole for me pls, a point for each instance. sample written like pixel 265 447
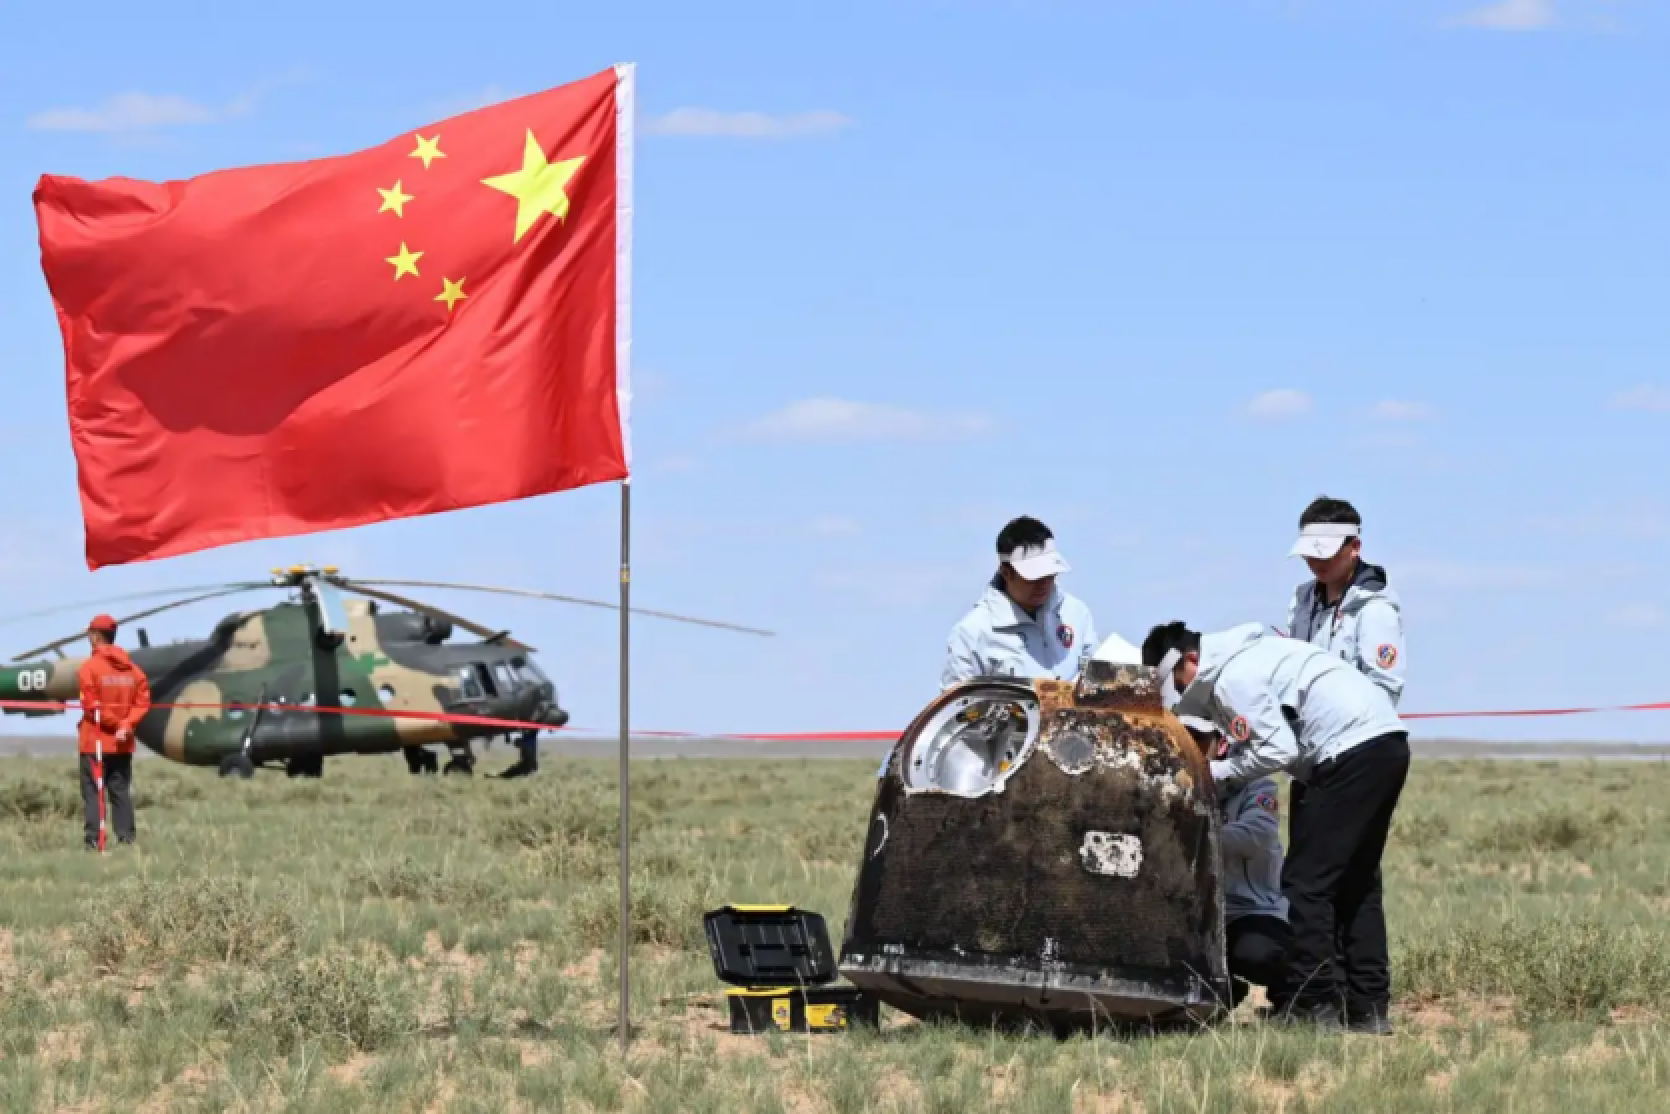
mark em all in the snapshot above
pixel 625 775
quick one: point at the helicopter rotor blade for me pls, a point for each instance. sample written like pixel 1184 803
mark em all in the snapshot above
pixel 155 593
pixel 488 633
pixel 530 594
pixel 76 637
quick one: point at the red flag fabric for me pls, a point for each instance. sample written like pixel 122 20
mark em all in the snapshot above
pixel 435 323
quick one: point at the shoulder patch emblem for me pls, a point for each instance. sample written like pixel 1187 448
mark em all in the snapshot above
pixel 1238 729
pixel 1065 633
pixel 1266 801
pixel 1386 655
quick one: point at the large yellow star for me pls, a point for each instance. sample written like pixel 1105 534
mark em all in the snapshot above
pixel 539 187
pixel 394 200
pixel 428 150
pixel 406 262
pixel 451 292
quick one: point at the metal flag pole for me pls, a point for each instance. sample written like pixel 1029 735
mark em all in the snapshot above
pixel 625 776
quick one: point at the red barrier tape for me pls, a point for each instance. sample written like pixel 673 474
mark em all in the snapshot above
pixel 783 737
pixel 384 713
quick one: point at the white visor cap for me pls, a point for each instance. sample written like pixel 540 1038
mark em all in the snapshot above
pixel 1034 562
pixel 1323 539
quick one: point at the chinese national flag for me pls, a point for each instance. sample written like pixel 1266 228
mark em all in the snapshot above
pixel 436 323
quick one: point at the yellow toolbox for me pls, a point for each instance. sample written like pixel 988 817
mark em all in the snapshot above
pixel 780 966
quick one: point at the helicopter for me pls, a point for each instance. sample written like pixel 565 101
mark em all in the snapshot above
pixel 259 690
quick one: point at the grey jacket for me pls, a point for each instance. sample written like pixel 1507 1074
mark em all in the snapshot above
pixel 1252 852
pixel 1365 629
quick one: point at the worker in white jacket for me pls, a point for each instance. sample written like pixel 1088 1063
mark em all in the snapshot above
pixel 1024 625
pixel 1348 608
pixel 1286 705
pixel 1255 912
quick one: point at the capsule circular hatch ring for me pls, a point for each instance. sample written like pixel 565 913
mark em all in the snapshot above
pixel 972 740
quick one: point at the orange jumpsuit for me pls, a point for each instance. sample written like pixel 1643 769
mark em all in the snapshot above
pixel 114 695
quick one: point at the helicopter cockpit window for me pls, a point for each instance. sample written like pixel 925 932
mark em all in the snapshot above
pixel 485 677
pixel 507 680
pixel 468 684
pixel 528 671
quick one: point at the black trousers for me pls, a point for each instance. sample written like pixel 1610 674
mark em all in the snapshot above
pixel 1337 828
pixel 118 795
pixel 1257 945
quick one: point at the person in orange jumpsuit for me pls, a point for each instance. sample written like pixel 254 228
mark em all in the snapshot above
pixel 115 695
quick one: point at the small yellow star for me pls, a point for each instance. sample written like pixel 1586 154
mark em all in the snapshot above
pixel 394 200
pixel 406 262
pixel 428 150
pixel 451 292
pixel 539 187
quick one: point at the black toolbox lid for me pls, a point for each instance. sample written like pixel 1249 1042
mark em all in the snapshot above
pixel 769 945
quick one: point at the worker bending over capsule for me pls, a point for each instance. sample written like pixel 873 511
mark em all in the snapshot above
pixel 1288 706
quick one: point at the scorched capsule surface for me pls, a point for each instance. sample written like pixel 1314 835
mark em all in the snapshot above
pixel 1044 851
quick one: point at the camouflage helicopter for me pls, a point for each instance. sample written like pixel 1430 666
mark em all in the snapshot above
pixel 281 667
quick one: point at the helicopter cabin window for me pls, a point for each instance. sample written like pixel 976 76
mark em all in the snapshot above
pixel 468 684
pixel 386 692
pixel 527 670
pixel 349 698
pixel 485 677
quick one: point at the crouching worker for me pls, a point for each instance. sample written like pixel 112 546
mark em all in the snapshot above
pixel 1287 705
pixel 1255 913
pixel 115 696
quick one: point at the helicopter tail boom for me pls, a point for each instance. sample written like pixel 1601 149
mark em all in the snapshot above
pixel 40 680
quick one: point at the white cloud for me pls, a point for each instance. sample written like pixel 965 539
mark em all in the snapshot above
pixel 136 113
pixel 836 526
pixel 126 113
pixel 1279 405
pixel 835 419
pixel 1655 399
pixel 1392 410
pixel 1511 15
pixel 1636 615
pixel 745 125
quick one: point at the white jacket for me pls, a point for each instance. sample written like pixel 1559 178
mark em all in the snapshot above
pixel 1364 629
pixel 1252 852
pixel 997 638
pixel 1282 704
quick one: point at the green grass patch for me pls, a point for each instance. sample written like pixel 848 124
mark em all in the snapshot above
pixel 377 941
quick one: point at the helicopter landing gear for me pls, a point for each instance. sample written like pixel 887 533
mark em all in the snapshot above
pixel 462 762
pixel 305 765
pixel 238 766
pixel 528 763
pixel 421 760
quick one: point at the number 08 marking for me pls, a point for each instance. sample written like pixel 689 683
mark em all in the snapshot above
pixel 31 680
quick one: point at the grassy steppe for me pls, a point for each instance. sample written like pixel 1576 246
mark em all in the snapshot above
pixel 374 941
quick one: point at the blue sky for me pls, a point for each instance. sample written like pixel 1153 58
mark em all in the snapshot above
pixel 1156 273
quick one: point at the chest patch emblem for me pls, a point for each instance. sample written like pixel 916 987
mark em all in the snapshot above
pixel 1238 729
pixel 1065 633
